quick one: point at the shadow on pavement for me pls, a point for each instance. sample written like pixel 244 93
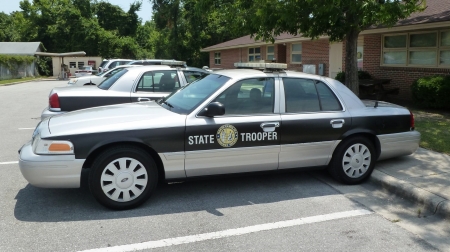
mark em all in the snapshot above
pixel 60 205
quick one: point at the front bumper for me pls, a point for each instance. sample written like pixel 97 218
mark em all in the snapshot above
pixel 47 113
pixel 399 144
pixel 50 171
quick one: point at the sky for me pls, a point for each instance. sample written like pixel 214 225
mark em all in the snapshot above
pixel 145 13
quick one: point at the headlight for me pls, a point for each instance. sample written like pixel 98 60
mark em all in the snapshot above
pixel 42 147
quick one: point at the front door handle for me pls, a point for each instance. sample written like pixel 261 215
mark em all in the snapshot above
pixel 143 99
pixel 337 123
pixel 269 126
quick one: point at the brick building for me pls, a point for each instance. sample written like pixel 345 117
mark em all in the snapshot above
pixel 414 47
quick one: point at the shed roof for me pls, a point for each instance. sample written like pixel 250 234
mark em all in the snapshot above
pixel 20 48
pixel 436 11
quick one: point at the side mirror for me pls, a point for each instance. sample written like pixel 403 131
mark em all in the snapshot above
pixel 213 109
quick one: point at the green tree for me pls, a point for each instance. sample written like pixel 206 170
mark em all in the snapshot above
pixel 341 20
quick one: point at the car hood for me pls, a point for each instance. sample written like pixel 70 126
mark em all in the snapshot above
pixel 121 117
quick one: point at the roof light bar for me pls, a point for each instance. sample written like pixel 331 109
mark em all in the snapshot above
pixel 173 63
pixel 279 66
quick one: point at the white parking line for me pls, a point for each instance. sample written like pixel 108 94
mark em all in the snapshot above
pixel 26 128
pixel 12 162
pixel 231 232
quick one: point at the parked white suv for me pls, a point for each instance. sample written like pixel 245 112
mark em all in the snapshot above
pixel 112 63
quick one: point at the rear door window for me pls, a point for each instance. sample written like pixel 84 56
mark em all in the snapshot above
pixel 158 81
pixel 305 95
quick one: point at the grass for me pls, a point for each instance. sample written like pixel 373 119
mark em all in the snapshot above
pixel 6 82
pixel 433 125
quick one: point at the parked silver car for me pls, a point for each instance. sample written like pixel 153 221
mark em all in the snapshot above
pixel 136 84
pixel 231 121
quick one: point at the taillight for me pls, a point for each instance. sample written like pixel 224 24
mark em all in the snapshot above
pixel 54 101
pixel 411 122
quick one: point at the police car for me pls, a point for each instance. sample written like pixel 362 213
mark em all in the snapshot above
pixel 140 83
pixel 231 121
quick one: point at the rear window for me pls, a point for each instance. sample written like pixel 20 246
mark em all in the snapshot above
pixel 107 83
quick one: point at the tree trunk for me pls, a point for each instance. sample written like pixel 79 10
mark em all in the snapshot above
pixel 351 63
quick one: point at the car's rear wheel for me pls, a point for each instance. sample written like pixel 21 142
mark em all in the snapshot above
pixel 123 177
pixel 353 161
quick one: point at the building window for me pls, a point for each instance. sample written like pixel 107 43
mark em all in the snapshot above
pixel 296 53
pixel 72 64
pixel 217 58
pixel 254 54
pixel 424 49
pixel 270 53
pixel 80 64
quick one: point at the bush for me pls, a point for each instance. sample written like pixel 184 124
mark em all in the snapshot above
pixel 432 91
pixel 44 66
pixel 362 75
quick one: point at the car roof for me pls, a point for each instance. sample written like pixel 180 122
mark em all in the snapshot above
pixel 249 73
pixel 152 67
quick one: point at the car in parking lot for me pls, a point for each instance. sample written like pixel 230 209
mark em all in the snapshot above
pixel 97 78
pixel 112 63
pixel 84 70
pixel 132 84
pixel 229 122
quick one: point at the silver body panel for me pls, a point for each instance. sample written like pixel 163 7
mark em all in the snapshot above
pixel 228 161
pixel 173 164
pixel 50 171
pixel 306 154
pixel 46 113
pixel 399 144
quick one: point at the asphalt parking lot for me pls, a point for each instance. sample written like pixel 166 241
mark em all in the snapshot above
pixel 283 212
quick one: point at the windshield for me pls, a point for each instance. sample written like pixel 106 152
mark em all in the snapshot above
pixel 185 100
pixel 108 82
pixel 104 63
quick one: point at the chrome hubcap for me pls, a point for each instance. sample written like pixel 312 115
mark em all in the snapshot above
pixel 124 179
pixel 356 160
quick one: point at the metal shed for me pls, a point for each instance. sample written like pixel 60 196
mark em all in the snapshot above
pixel 22 49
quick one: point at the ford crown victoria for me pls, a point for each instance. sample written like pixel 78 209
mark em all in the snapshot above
pixel 140 83
pixel 231 121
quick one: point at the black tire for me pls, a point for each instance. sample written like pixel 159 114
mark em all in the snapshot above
pixel 353 168
pixel 132 173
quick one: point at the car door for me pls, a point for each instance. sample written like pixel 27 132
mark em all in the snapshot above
pixel 313 121
pixel 154 85
pixel 245 139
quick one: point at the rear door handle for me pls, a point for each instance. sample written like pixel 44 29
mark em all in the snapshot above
pixel 269 126
pixel 143 99
pixel 337 123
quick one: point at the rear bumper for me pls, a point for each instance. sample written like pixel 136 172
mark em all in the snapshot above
pixel 50 171
pixel 399 144
pixel 47 113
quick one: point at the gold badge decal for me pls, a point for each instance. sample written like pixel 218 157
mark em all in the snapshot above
pixel 227 135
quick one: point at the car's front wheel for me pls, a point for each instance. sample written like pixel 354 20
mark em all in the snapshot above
pixel 123 177
pixel 353 161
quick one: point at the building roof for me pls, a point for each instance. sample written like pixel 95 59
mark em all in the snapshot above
pixel 436 11
pixel 20 48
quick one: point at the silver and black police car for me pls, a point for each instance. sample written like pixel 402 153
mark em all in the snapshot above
pixel 231 121
pixel 140 83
